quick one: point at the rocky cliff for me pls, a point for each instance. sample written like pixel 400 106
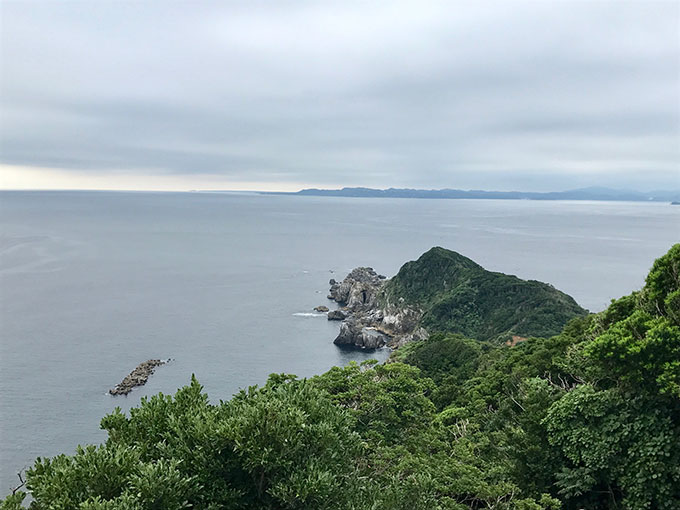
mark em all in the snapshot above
pixel 368 321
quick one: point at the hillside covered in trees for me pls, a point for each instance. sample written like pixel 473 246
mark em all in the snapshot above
pixel 585 419
pixel 457 295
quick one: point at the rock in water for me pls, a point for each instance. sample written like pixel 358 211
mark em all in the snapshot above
pixel 354 333
pixel 137 377
pixel 348 333
pixel 321 308
pixel 336 315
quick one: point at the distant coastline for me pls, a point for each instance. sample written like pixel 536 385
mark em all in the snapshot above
pixel 671 197
pixel 591 193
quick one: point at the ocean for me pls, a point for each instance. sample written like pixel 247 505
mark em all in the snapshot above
pixel 93 283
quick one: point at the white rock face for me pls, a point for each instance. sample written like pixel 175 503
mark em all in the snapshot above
pixel 359 290
pixel 370 325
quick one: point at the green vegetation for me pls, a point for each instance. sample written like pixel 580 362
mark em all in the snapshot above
pixel 586 419
pixel 459 296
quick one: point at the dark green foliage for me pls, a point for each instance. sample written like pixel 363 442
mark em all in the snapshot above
pixel 620 429
pixel 417 460
pixel 359 437
pixel 459 296
pixel 388 401
pixel 283 446
pixel 297 448
pixel 637 345
pixel 436 272
pixel 13 501
pixel 66 481
pixel 640 351
pixel 449 360
pixel 622 449
pixel 587 419
pixel 592 415
pixel 444 355
pixel 662 289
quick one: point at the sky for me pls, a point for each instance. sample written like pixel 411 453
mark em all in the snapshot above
pixel 262 95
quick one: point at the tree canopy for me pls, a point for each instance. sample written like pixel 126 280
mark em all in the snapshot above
pixel 586 419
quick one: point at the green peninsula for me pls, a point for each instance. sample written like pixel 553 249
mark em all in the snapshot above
pixel 458 295
pixel 443 291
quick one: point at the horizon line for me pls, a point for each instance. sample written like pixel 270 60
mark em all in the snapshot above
pixel 227 190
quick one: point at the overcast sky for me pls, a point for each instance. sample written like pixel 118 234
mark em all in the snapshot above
pixel 543 95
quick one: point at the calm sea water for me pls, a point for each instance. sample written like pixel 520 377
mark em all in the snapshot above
pixel 93 283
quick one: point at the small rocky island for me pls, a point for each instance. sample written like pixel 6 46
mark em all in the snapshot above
pixel 444 291
pixel 137 377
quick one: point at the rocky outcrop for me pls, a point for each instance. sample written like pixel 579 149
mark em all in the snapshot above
pixel 354 333
pixel 137 377
pixel 368 321
pixel 358 291
pixel 402 324
pixel 337 315
pixel 321 308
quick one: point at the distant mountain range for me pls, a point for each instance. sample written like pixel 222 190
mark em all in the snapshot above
pixel 592 193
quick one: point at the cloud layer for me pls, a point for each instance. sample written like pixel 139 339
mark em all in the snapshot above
pixel 535 95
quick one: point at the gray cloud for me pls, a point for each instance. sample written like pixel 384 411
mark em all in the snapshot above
pixel 430 94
